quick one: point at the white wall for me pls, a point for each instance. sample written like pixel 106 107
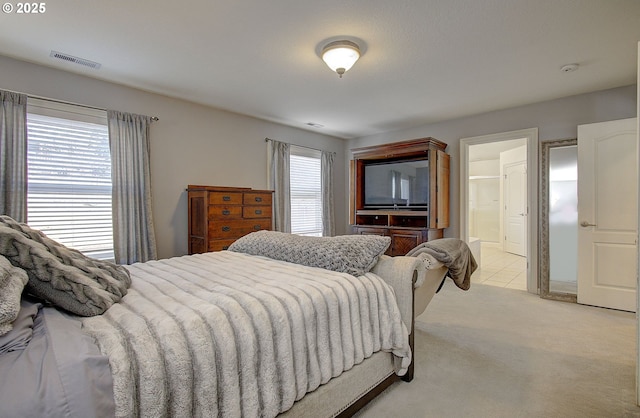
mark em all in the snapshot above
pixel 191 144
pixel 484 209
pixel 484 167
pixel 554 119
pixel 484 199
pixel 512 156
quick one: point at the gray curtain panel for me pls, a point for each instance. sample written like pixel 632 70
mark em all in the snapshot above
pixel 328 218
pixel 13 155
pixel 133 234
pixel 279 181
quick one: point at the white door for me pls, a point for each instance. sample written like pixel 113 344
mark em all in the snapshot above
pixel 607 214
pixel 515 208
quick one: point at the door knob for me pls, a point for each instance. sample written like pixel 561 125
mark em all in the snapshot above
pixel 585 224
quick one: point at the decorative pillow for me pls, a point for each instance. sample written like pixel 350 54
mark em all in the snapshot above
pixel 60 275
pixel 12 281
pixel 353 254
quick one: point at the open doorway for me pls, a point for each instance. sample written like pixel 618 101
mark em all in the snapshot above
pixel 498 206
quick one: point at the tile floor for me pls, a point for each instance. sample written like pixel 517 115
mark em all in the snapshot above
pixel 499 268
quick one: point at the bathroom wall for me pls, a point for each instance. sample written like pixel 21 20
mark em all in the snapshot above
pixel 484 200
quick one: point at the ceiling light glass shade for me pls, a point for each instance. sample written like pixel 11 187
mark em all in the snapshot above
pixel 341 55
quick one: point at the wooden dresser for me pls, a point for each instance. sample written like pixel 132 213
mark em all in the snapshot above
pixel 220 215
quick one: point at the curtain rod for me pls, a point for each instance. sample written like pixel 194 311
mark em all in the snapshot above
pixel 301 146
pixel 153 118
pixel 33 96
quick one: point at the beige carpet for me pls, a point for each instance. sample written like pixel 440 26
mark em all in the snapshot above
pixel 496 352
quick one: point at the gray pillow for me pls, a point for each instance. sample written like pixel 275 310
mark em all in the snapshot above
pixel 12 281
pixel 60 275
pixel 353 254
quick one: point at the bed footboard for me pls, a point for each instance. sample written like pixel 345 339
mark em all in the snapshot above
pixel 432 282
pixel 403 274
pixel 345 395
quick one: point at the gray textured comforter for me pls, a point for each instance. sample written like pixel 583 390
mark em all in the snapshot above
pixel 227 334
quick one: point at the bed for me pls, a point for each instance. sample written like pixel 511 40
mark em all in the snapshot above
pixel 278 325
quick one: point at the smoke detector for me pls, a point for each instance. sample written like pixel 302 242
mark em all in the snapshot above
pixel 75 60
pixel 569 68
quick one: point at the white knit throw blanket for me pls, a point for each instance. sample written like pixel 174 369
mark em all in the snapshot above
pixel 232 335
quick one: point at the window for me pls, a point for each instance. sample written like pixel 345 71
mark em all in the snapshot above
pixel 69 176
pixel 306 191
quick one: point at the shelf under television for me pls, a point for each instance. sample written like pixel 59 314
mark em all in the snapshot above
pixel 392 212
pixel 392 218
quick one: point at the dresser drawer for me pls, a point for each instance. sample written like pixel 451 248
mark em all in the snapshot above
pixel 237 228
pixel 220 244
pixel 257 199
pixel 256 212
pixel 225 198
pixel 222 212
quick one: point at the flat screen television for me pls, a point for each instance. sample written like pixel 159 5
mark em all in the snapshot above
pixel 397 184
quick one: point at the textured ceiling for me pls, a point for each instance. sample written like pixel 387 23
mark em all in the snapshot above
pixel 423 61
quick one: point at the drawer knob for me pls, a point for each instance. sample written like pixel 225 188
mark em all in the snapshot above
pixel 226 228
pixel 258 212
pixel 226 247
pixel 258 199
pixel 226 198
pixel 226 212
pixel 257 227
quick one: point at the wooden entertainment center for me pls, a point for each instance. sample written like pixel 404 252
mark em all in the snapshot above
pixel 408 226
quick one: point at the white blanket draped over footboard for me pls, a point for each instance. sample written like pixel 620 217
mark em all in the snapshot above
pixel 228 334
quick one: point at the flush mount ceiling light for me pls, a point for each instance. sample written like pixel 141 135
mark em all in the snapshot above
pixel 341 55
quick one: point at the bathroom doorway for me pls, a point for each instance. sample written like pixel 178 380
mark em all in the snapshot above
pixel 498 207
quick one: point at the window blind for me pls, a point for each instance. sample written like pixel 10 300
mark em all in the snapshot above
pixel 69 178
pixel 306 191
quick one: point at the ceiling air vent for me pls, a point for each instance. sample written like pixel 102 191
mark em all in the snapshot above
pixel 75 60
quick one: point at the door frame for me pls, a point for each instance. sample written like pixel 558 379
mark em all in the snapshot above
pixel 638 238
pixel 531 137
